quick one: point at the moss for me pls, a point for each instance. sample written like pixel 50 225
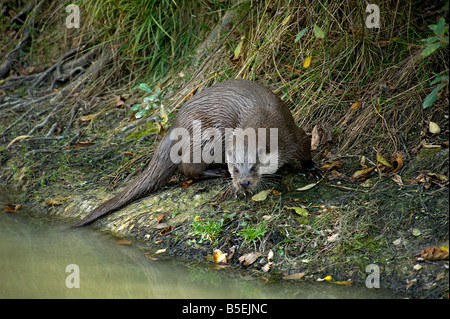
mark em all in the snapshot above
pixel 149 128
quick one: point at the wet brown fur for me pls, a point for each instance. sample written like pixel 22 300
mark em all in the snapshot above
pixel 229 104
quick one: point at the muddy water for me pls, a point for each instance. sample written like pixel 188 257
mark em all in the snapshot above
pixel 40 260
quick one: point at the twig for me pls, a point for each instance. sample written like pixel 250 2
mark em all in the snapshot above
pixel 346 188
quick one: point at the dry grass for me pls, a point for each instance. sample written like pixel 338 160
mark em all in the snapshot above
pixel 381 68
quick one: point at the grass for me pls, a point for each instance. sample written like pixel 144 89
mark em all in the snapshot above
pixel 252 233
pixel 206 229
pixel 149 38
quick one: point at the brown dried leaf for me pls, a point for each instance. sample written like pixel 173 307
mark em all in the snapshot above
pixel 160 217
pixel 361 174
pixel 89 117
pixel 315 138
pixel 231 253
pixel 187 183
pixel 396 162
pixel 56 201
pixel 123 242
pixel 167 230
pixel 295 276
pixel 219 257
pixel 120 101
pixel 336 176
pixel 398 179
pixel 249 258
pixel 12 208
pixel 332 164
pixel 355 105
pixel 433 254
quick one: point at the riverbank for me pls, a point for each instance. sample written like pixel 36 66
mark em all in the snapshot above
pixel 70 138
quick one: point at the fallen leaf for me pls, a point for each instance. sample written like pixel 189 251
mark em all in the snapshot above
pixel 416 232
pixel 307 62
pixel 12 208
pixel 89 117
pixel 434 128
pixel 355 105
pixel 198 218
pixel 56 201
pixel 261 195
pixel 166 230
pixel 309 186
pixel 275 193
pixel 382 160
pixel 327 278
pixel 160 217
pixel 410 283
pixel 333 237
pixel 336 176
pixel 120 101
pixel 187 183
pixel 396 162
pixel 433 254
pixel 230 253
pixel 367 183
pixel 237 51
pixel 361 174
pixel 219 257
pixel 315 138
pixel 332 164
pixel 318 32
pixel 249 258
pixel 266 267
pixel 149 256
pixel 123 242
pixel 438 177
pixel 295 276
pixel 398 179
pixel 160 251
pixel 300 211
pixel 270 255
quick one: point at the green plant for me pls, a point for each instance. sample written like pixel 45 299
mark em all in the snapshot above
pixel 149 102
pixel 251 233
pixel 442 81
pixel 439 40
pixel 206 229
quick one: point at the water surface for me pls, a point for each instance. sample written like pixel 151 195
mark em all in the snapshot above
pixel 34 256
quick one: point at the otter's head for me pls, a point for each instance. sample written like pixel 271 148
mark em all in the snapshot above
pixel 244 170
pixel 246 167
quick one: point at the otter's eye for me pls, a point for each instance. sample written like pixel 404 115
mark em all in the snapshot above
pixel 236 170
pixel 253 169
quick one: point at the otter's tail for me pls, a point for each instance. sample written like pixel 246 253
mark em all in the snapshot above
pixel 155 174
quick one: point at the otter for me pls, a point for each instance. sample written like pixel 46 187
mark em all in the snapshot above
pixel 250 113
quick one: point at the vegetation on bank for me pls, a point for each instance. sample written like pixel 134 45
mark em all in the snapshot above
pixel 69 101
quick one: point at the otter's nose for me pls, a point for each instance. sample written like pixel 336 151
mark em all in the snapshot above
pixel 245 183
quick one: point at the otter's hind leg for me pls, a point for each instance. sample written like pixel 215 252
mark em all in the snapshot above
pixel 201 171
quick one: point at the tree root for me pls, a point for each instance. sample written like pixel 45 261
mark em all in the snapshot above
pixel 12 57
